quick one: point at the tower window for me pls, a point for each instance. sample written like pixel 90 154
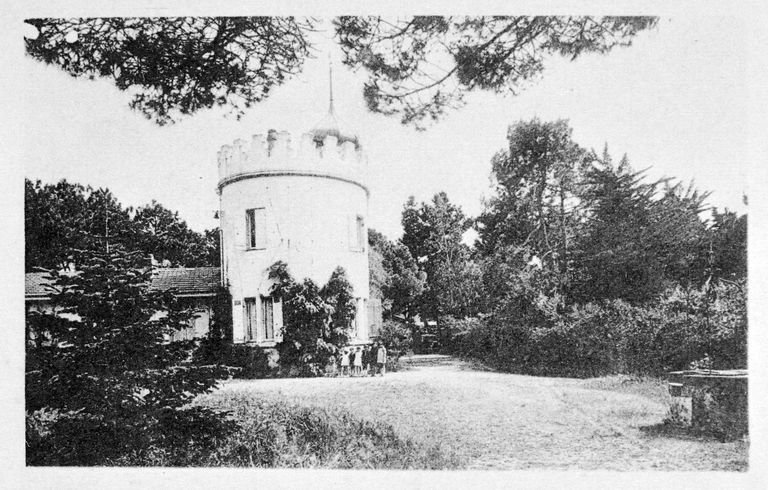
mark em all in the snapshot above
pixel 360 234
pixel 260 318
pixel 267 320
pixel 250 318
pixel 356 233
pixel 256 228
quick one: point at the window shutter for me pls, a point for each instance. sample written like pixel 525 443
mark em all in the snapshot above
pixel 277 312
pixel 267 323
pixel 238 334
pixel 260 227
pixel 251 318
pixel 351 238
pixel 360 233
pixel 249 230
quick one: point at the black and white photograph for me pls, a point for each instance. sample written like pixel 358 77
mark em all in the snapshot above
pixel 370 249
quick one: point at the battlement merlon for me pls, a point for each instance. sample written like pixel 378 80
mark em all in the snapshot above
pixel 275 152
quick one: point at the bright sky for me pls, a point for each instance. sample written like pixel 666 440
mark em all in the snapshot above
pixel 674 101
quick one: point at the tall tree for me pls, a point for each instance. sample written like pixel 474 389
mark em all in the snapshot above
pixel 728 237
pixel 419 66
pixel 640 237
pixel 63 217
pixel 395 275
pixel 433 234
pixel 102 359
pixel 167 237
pixel 536 202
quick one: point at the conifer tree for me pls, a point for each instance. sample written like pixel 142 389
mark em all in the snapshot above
pixel 102 361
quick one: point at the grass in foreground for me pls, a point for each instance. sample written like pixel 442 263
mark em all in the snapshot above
pixel 283 435
pixel 491 420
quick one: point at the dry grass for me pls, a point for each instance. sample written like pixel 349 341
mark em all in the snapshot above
pixel 276 434
pixel 505 421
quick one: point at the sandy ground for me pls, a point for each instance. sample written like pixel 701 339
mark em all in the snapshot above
pixel 505 421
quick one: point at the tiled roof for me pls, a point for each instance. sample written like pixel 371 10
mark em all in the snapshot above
pixel 34 285
pixel 192 280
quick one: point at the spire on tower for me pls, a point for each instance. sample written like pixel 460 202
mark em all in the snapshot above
pixel 329 125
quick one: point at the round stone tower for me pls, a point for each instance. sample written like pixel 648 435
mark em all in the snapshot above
pixel 304 203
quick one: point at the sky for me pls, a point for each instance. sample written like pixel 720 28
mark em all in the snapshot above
pixel 674 102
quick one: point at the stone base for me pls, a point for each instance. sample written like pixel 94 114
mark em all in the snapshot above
pixel 717 401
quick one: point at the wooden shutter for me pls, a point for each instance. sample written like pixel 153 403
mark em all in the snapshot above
pixel 277 313
pixel 250 232
pixel 360 233
pixel 238 321
pixel 267 318
pixel 351 232
pixel 260 228
pixel 250 318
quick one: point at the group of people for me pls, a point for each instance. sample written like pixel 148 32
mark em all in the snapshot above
pixel 361 361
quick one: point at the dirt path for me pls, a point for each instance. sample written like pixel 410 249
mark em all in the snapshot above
pixel 505 421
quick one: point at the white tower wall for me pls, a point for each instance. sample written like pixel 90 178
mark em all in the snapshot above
pixel 311 209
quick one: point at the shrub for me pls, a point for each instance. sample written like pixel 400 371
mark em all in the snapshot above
pixel 615 337
pixel 281 435
pixel 247 362
pixel 396 336
pixel 316 322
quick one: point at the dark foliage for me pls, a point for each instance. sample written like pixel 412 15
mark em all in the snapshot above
pixel 279 435
pixel 247 362
pixel 396 336
pixel 419 66
pixel 161 233
pixel 178 65
pixel 596 339
pixel 102 364
pixel 634 244
pixel 433 234
pixel 589 269
pixel 62 217
pixel 537 180
pixel 729 244
pixel 217 348
pixel 316 322
pixel 395 275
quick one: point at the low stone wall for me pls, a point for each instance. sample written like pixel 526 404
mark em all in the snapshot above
pixel 711 401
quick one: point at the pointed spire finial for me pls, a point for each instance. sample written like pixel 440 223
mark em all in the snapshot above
pixel 330 83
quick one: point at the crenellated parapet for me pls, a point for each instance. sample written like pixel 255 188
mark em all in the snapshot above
pixel 276 154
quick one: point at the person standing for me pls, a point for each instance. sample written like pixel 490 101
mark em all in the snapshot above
pixel 345 363
pixel 367 361
pixel 359 361
pixel 330 367
pixel 381 359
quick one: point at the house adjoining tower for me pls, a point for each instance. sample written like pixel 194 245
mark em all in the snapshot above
pixel 303 201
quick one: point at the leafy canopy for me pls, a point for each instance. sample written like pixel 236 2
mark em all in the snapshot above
pixel 63 217
pixel 178 65
pixel 417 66
pixel 433 234
pixel 395 275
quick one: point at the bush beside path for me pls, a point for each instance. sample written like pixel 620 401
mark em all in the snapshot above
pixel 490 420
